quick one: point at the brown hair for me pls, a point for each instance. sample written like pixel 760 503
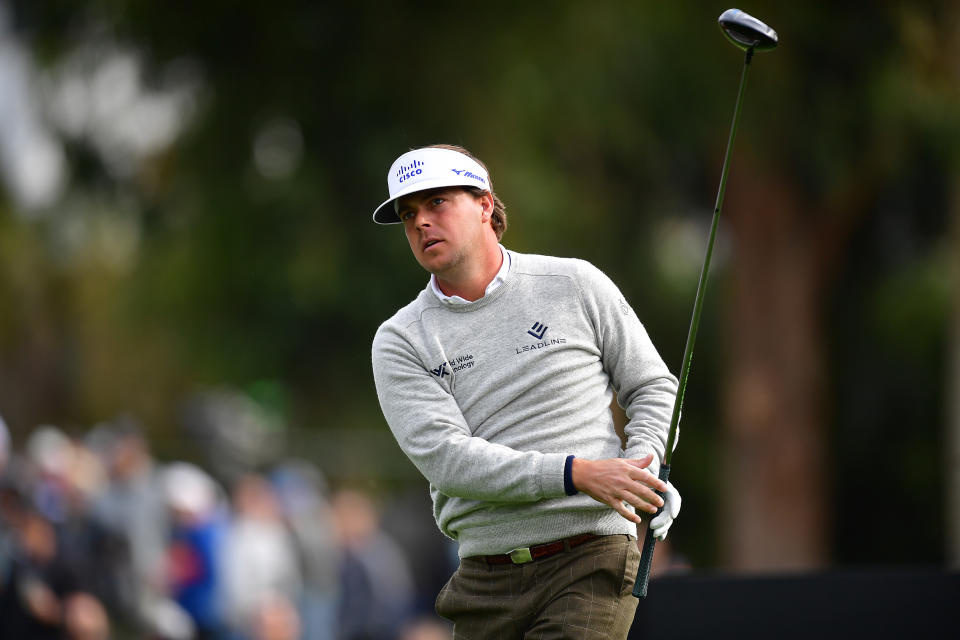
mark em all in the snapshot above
pixel 498 219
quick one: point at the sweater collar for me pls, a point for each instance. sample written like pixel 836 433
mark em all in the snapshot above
pixel 498 280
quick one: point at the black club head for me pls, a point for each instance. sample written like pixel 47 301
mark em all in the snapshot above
pixel 746 32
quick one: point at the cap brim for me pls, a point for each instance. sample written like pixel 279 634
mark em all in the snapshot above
pixel 385 213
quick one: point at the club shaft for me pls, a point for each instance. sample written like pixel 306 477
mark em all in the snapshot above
pixel 704 272
pixel 646 559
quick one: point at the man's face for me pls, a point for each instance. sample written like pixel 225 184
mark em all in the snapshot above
pixel 444 226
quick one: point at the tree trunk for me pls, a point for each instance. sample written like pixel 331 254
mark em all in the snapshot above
pixel 951 40
pixel 952 461
pixel 775 466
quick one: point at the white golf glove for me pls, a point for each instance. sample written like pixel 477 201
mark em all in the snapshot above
pixel 671 507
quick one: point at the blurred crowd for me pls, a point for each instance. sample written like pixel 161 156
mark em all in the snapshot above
pixel 99 540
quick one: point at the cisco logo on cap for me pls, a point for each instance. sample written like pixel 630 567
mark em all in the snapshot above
pixel 405 172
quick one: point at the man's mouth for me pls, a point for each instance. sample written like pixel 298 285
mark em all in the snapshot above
pixel 429 243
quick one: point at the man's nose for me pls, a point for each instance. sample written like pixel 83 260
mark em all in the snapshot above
pixel 421 219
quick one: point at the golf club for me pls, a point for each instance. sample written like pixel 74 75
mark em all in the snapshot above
pixel 749 34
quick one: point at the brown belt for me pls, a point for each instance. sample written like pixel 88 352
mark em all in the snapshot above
pixel 540 551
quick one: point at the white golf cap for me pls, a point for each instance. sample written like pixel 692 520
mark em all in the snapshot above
pixel 429 168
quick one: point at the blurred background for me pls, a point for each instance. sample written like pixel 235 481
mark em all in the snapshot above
pixel 190 282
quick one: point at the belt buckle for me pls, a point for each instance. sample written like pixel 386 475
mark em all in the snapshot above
pixel 521 555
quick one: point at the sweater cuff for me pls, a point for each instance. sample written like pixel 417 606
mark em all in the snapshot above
pixel 568 487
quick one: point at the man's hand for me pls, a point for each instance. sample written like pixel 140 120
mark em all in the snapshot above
pixel 614 481
pixel 661 524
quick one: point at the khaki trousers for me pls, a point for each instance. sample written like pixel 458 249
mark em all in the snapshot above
pixel 583 594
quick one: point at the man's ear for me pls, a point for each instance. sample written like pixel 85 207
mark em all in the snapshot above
pixel 486 201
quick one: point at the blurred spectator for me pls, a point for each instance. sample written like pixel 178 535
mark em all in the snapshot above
pixel 301 490
pixel 428 629
pixel 99 541
pixel 93 554
pixel 4 446
pixel 193 563
pixel 168 621
pixel 408 518
pixel 85 618
pixel 133 507
pixel 259 558
pixel 377 588
pixel 52 549
pixel 9 501
pixel 48 456
pixel 276 618
pixel 37 580
pixel 35 583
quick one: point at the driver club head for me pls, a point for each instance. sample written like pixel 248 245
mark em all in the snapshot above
pixel 746 32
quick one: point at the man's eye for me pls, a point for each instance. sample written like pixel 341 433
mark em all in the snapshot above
pixel 437 201
pixel 406 215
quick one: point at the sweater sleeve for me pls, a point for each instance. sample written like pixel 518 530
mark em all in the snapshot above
pixel 431 430
pixel 645 387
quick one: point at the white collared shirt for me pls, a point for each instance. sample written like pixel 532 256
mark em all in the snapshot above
pixel 496 282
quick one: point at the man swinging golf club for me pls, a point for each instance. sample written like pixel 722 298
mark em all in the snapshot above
pixel 496 382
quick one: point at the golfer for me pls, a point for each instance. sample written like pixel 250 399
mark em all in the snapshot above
pixel 497 382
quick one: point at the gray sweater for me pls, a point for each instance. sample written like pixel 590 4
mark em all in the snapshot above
pixel 488 399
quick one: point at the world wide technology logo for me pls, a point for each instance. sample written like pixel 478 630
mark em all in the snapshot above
pixel 459 363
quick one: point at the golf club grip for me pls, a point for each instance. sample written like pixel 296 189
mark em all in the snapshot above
pixel 646 555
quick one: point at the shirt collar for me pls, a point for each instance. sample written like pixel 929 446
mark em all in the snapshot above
pixel 496 282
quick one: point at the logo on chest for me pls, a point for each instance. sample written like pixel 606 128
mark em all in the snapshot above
pixel 539 331
pixel 466 361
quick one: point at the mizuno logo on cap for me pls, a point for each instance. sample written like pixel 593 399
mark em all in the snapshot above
pixel 466 174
